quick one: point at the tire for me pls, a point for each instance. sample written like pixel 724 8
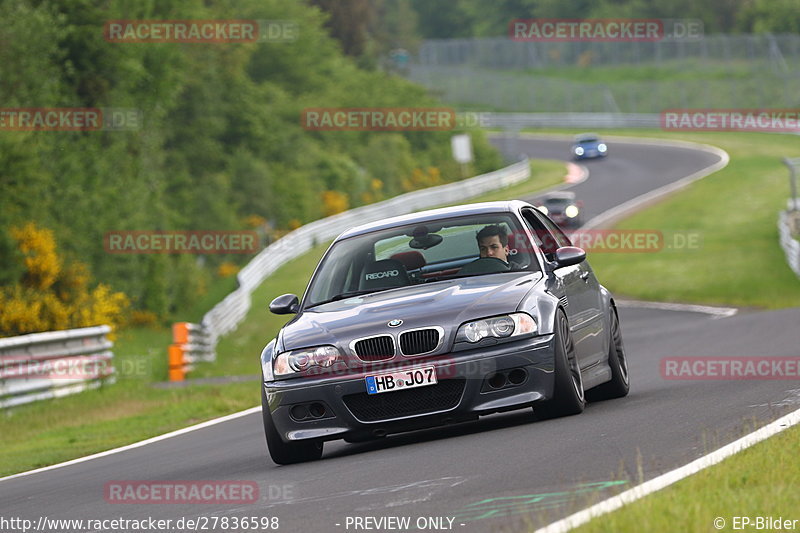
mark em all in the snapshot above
pixel 568 397
pixel 283 453
pixel 620 382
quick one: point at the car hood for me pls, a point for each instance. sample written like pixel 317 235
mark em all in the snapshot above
pixel 447 304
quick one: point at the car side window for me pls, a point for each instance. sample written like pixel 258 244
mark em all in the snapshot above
pixel 548 237
pixel 561 239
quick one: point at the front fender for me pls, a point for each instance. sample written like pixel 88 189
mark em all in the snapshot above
pixel 607 298
pixel 542 306
pixel 267 355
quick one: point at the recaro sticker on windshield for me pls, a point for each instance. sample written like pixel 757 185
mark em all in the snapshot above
pixel 384 274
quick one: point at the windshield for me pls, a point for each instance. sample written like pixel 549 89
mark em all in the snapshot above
pixel 558 202
pixel 421 253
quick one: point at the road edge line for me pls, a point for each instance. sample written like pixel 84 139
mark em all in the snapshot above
pixel 201 425
pixel 717 311
pixel 648 487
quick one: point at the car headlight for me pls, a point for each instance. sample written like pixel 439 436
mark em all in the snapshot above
pixel 543 209
pixel 571 211
pixel 602 147
pixel 578 150
pixel 295 361
pixel 499 327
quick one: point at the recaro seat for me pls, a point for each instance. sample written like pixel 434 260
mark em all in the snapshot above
pixel 383 274
pixel 412 260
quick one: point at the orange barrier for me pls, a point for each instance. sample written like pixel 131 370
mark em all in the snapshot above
pixel 190 343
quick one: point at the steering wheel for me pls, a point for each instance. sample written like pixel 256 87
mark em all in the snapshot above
pixel 485 265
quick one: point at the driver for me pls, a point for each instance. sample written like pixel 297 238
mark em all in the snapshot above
pixel 493 242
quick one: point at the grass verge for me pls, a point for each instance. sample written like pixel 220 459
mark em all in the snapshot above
pixel 748 484
pixel 53 431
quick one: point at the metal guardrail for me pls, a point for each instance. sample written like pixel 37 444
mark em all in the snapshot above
pixel 229 313
pixel 790 245
pixel 53 364
pixel 517 121
pixel 788 220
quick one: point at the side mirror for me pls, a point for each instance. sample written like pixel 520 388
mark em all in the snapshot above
pixel 569 255
pixel 286 304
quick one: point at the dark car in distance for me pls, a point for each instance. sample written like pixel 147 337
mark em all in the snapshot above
pixel 413 322
pixel 588 146
pixel 563 208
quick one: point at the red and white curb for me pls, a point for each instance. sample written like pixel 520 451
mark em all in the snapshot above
pixel 576 174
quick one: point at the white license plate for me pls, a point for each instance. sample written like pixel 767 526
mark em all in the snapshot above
pixel 405 379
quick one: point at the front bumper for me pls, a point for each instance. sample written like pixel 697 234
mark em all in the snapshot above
pixel 463 392
pixel 590 154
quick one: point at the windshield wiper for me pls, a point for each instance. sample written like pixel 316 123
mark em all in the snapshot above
pixel 348 294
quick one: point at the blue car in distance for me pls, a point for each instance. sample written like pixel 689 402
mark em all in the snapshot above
pixel 588 146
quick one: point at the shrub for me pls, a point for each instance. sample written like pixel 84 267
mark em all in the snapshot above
pixel 53 294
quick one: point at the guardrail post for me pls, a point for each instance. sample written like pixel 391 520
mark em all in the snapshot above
pixel 190 343
pixel 793 164
pixel 176 363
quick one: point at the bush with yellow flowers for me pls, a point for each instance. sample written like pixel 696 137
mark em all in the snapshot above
pixel 334 202
pixel 53 294
pixel 227 269
pixel 422 178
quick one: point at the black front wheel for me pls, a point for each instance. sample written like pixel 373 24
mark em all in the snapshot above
pixel 568 398
pixel 286 453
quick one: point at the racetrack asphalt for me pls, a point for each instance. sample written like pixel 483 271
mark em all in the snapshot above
pixel 506 472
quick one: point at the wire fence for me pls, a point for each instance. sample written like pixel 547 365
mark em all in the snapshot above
pixel 748 71
pixel 777 52
pixel 475 88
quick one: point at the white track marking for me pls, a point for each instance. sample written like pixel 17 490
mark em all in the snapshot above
pixel 717 312
pixel 141 443
pixel 664 480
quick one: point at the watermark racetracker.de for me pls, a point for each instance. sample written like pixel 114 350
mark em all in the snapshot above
pixel 70 119
pixel 378 119
pixel 605 30
pixel 181 492
pixel 201 31
pixel 765 120
pixel 181 242
pixel 78 367
pixel 614 241
pixel 730 368
pixel 391 119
